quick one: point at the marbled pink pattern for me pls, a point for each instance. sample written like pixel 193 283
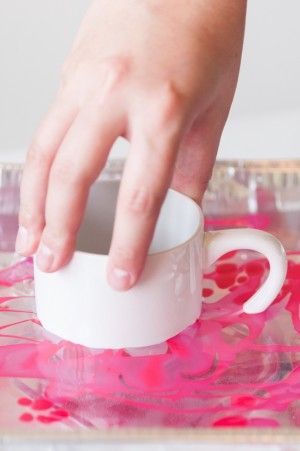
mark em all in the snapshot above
pixel 228 369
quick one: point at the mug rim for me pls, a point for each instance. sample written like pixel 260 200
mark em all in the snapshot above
pixel 171 249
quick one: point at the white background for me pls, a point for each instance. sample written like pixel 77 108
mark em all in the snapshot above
pixel 35 36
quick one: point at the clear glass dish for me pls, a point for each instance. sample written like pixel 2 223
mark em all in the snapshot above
pixel 263 195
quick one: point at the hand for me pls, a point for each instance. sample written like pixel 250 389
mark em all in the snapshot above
pixel 163 75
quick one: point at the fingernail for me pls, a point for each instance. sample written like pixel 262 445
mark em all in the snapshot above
pixel 44 258
pixel 22 240
pixel 121 279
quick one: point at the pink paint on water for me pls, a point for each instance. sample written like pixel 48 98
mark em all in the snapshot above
pixel 19 272
pixel 227 370
pixel 41 404
pixel 256 220
pixel 24 401
pixel 26 417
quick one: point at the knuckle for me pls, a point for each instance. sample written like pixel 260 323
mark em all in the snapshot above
pixel 124 255
pixel 29 218
pixel 113 70
pixel 142 201
pixel 117 67
pixel 57 238
pixel 169 105
pixel 67 172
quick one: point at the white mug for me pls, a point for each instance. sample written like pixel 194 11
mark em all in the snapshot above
pixel 77 304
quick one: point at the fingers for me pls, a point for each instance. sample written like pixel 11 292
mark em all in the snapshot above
pixel 145 180
pixel 78 162
pixel 35 177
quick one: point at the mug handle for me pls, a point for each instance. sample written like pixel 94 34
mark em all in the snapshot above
pixel 218 243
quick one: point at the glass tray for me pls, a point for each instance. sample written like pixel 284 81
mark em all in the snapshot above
pixel 260 194
pixel 228 381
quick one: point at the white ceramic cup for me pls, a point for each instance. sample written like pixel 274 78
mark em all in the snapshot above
pixel 77 304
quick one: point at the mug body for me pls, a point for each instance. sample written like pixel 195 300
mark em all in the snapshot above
pixel 77 304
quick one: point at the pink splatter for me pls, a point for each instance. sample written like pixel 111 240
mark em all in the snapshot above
pixel 234 421
pixel 226 268
pixel 46 419
pixel 19 272
pixel 229 369
pixel 24 401
pixel 41 404
pixel 59 413
pixel 26 417
pixel 257 221
pixel 207 292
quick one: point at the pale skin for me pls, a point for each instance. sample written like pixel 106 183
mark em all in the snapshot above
pixel 163 75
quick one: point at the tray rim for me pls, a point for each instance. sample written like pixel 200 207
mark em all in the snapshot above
pixel 241 164
pixel 114 165
pixel 226 435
